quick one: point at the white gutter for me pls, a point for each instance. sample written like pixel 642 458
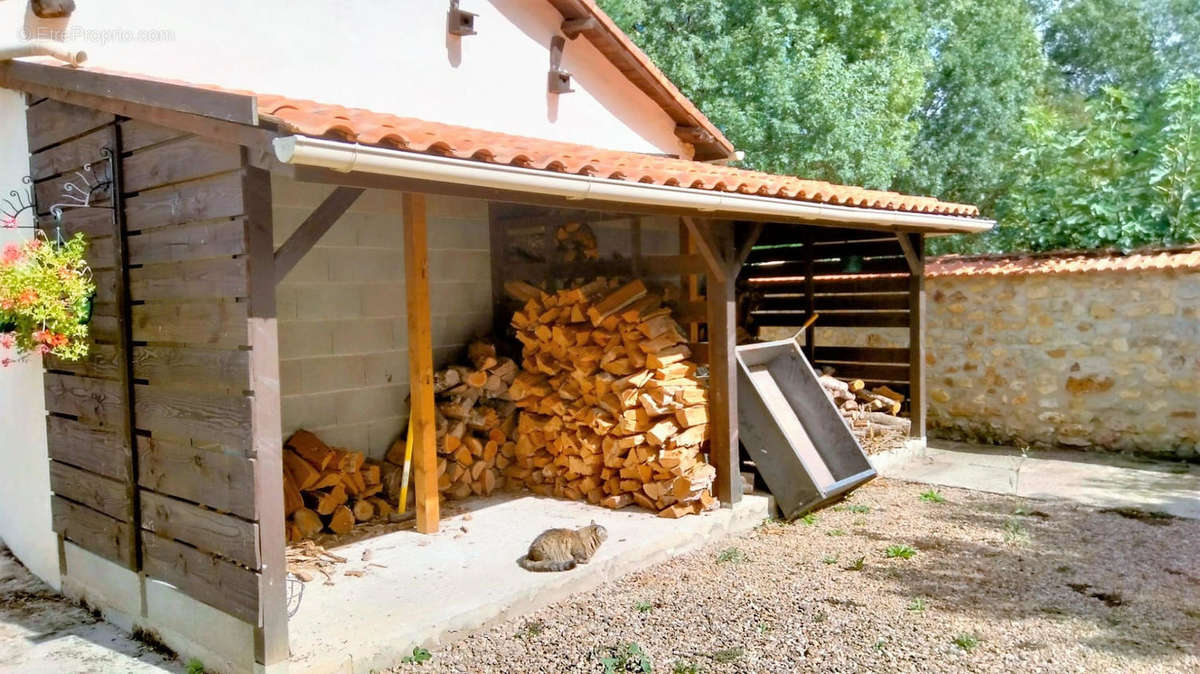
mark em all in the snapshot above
pixel 347 157
pixel 58 50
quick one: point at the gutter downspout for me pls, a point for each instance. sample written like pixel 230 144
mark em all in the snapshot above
pixel 58 50
pixel 348 157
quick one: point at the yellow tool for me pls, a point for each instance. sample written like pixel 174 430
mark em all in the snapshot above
pixel 403 506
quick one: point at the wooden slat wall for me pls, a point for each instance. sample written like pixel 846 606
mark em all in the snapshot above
pixel 88 422
pixel 790 262
pixel 188 288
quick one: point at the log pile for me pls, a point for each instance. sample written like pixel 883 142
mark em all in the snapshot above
pixel 611 408
pixel 474 421
pixel 576 242
pixel 328 488
pixel 872 414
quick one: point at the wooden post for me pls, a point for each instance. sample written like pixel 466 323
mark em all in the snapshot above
pixel 266 426
pixel 420 363
pixel 916 334
pixel 810 300
pixel 716 244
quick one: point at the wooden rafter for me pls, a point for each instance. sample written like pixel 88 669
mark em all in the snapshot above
pixel 313 228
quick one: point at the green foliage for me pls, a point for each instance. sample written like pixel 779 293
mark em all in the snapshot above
pixel 1073 123
pixel 809 519
pixel 643 607
pixel 835 532
pixel 530 629
pixel 932 496
pixel 900 551
pixel 830 559
pixel 45 298
pixel 1015 532
pixel 966 641
pixel 807 87
pixel 626 658
pixel 194 666
pixel 856 565
pixel 917 605
pixel 419 656
pixel 684 667
pixel 731 555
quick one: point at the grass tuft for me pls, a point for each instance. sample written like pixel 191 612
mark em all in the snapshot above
pixel 644 607
pixel 419 656
pixel 732 556
pixel 900 551
pixel 966 641
pixel 932 496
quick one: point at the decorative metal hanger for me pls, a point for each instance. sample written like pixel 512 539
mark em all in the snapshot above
pixel 82 193
pixel 94 180
pixel 16 203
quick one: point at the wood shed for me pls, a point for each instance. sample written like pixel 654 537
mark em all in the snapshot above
pixel 166 442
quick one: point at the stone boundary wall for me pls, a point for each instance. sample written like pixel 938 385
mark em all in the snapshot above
pixel 1106 359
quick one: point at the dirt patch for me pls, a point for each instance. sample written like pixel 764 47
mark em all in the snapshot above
pixel 990 588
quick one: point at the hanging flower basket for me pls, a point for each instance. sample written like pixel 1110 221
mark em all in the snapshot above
pixel 46 296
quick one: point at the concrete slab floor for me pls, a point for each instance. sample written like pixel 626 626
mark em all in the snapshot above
pixel 1101 480
pixel 428 590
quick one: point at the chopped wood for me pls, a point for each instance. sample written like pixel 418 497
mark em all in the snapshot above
pixel 600 402
pixel 310 448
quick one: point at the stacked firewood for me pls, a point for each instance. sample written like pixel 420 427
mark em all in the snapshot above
pixel 328 488
pixel 474 421
pixel 575 242
pixel 611 407
pixel 871 413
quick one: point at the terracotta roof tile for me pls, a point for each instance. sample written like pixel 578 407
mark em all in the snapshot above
pixel 355 125
pixel 1064 263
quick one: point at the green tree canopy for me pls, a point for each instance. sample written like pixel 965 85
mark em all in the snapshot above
pixel 1074 123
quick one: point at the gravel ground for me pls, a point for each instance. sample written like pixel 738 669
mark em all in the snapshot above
pixel 1023 586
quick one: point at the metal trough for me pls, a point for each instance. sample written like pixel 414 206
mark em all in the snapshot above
pixel 801 445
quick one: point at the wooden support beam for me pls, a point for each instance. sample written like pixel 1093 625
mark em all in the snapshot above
pixel 573 27
pixel 266 441
pixel 915 259
pixel 810 303
pixel 916 332
pixel 703 238
pixel 313 228
pixel 747 243
pixel 422 424
pixel 718 239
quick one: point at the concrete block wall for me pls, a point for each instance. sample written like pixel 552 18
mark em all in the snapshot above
pixel 343 335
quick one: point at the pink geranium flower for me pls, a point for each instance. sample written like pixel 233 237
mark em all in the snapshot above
pixel 7 340
pixel 12 253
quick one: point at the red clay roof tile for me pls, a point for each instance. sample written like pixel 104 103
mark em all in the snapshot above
pixel 403 133
pixel 1064 263
pixel 356 125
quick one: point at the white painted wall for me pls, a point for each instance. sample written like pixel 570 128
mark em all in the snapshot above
pixel 25 480
pixel 393 57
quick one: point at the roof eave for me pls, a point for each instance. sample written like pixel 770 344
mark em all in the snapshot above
pixel 350 157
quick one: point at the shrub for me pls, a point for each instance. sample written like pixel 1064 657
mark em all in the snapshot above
pixel 46 295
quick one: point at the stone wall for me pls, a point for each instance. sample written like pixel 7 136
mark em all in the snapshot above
pixel 1095 359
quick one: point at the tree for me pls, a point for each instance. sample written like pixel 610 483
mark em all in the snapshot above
pixel 976 99
pixel 826 90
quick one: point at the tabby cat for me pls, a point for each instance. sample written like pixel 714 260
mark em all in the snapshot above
pixel 562 549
